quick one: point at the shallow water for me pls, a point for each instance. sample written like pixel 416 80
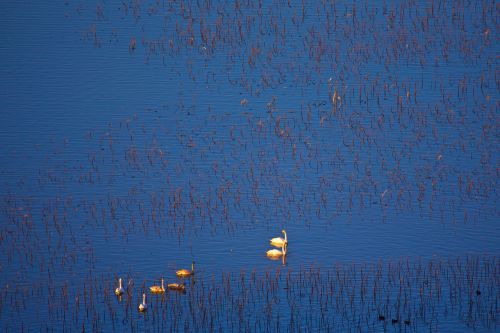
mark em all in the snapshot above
pixel 138 137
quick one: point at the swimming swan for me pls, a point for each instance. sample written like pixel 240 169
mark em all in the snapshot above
pixel 158 289
pixel 176 286
pixel 186 272
pixel 119 291
pixel 278 241
pixel 277 253
pixel 143 306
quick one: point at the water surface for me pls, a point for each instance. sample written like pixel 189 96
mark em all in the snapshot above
pixel 138 137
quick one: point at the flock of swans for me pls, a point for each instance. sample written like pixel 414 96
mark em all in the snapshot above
pixel 183 273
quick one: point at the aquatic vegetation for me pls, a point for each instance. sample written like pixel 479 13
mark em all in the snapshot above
pixel 374 123
pixel 420 294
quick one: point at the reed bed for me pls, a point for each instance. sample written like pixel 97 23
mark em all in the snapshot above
pixel 388 108
pixel 335 111
pixel 411 295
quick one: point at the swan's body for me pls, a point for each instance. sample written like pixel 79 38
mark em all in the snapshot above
pixel 119 291
pixel 186 272
pixel 143 306
pixel 278 241
pixel 277 253
pixel 176 286
pixel 158 289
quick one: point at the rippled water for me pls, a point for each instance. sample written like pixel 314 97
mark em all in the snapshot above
pixel 139 136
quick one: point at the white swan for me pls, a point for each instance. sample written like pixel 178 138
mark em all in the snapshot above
pixel 278 241
pixel 143 306
pixel 277 253
pixel 119 291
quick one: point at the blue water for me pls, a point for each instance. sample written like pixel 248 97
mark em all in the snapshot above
pixel 139 136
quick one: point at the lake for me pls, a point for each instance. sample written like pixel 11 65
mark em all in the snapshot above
pixel 140 136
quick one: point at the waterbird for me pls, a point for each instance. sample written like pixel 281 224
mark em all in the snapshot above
pixel 176 286
pixel 277 253
pixel 186 272
pixel 158 289
pixel 278 241
pixel 119 290
pixel 143 306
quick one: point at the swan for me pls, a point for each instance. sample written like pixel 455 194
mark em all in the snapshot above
pixel 119 290
pixel 143 306
pixel 278 241
pixel 277 253
pixel 176 286
pixel 158 289
pixel 186 272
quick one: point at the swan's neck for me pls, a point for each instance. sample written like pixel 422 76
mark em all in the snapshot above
pixel 162 284
pixel 284 232
pixel 192 267
pixel 120 281
pixel 283 249
pixel 143 298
